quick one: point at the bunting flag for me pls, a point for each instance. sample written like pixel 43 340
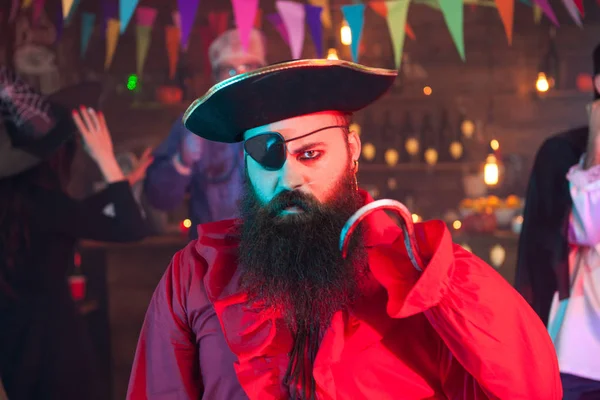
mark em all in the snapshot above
pixel 325 14
pixel 87 28
pixel 277 22
pixel 172 38
pixel 355 17
pixel 579 4
pixel 68 17
pixel 112 37
pixel 26 4
pixel 315 26
pixel 176 19
pixel 506 9
pixel 244 13
pixel 397 11
pixel 537 14
pixel 453 15
pixel 145 17
pixel 381 8
pixel 58 23
pixel 218 22
pixel 187 14
pixel 110 9
pixel 66 7
pixel 545 6
pixel 38 6
pixel 573 12
pixel 293 16
pixel 126 10
pixel 258 19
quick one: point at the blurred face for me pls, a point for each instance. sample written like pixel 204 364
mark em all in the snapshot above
pixel 227 69
pixel 313 162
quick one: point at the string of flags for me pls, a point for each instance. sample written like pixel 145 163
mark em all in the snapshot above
pixel 290 21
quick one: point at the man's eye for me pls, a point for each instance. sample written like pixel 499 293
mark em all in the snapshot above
pixel 310 155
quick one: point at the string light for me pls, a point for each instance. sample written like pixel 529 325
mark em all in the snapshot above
pixel 542 85
pixel 187 223
pixel 491 172
pixel 346 34
pixel 427 90
pixel 332 54
pixel 457 224
pixel 494 144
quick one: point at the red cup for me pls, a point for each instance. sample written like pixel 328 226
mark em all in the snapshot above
pixel 77 284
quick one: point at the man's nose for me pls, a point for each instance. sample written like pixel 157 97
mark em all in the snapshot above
pixel 290 177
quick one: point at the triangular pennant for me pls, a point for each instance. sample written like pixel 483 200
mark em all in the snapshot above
pixel 110 9
pixel 112 37
pixel 277 22
pixel 66 7
pixel 176 19
pixel 453 14
pixel 187 13
pixel 355 17
pixel 145 16
pixel 26 4
pixel 68 17
pixel 579 4
pixel 293 15
pixel 381 9
pixel 325 14
pixel 218 22
pixel 573 11
pixel 315 26
pixel 126 9
pixel 143 34
pixel 58 24
pixel 244 13
pixel 38 6
pixel 87 28
pixel 258 19
pixel 506 9
pixel 545 6
pixel 172 38
pixel 397 11
pixel 537 14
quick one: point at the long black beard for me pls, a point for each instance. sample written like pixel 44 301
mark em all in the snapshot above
pixel 293 264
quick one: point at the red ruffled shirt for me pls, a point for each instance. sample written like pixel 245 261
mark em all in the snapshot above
pixel 456 331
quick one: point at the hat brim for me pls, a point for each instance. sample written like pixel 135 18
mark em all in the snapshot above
pixel 281 91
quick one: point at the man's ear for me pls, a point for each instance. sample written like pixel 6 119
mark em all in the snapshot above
pixel 354 145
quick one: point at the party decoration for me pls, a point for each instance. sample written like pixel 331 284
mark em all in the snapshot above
pixel 110 9
pixel 187 13
pixel 313 19
pixel 277 22
pixel 38 6
pixel 325 14
pixel 145 17
pixel 545 6
pixel 66 7
pixel 218 22
pixel 126 9
pixel 293 15
pixel 573 11
pixel 397 11
pixel 381 8
pixel 172 39
pixel 453 14
pixel 26 4
pixel 506 9
pixel 258 19
pixel 579 4
pixel 14 8
pixel 69 16
pixel 355 16
pixel 112 37
pixel 537 14
pixel 244 13
pixel 87 28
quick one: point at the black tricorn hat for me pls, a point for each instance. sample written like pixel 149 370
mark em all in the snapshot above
pixel 35 126
pixel 281 91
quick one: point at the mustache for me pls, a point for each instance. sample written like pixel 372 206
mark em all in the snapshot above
pixel 292 199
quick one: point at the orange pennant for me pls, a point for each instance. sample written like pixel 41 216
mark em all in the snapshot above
pixel 172 39
pixel 506 9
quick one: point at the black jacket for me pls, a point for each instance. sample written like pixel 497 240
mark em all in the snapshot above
pixel 542 265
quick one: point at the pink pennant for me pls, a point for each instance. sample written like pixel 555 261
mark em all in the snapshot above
pixel 277 22
pixel 244 12
pixel 579 4
pixel 293 16
pixel 545 6
pixel 38 6
pixel 145 16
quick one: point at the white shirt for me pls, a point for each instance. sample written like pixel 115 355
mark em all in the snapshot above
pixel 578 342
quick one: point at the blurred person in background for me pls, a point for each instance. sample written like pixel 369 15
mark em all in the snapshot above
pixel 558 268
pixel 211 172
pixel 45 351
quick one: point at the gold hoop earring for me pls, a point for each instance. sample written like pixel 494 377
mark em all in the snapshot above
pixel 355 170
